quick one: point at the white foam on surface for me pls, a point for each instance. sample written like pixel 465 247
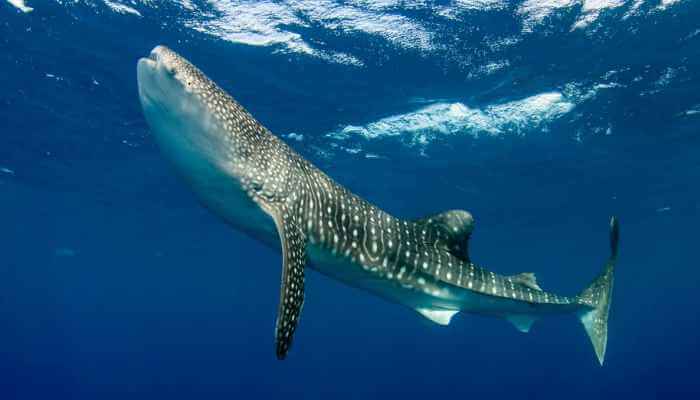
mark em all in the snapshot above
pixel 591 10
pixel 633 9
pixel 395 28
pixel 121 8
pixel 20 5
pixel 290 26
pixel 421 126
pixel 667 3
pixel 253 23
pixel 479 5
pixel 267 23
pixel 457 7
pixel 534 12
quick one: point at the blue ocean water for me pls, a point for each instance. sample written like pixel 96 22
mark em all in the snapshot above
pixel 541 118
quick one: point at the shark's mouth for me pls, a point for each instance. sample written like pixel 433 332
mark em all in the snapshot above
pixel 164 59
pixel 150 60
pixel 153 56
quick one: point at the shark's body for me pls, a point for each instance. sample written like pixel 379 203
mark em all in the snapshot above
pixel 261 186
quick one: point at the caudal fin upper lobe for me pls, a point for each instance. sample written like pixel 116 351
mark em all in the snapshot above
pixel 596 299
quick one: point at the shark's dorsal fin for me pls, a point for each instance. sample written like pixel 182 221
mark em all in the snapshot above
pixel 292 287
pixel 526 278
pixel 454 228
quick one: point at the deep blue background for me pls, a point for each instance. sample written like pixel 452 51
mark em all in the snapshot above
pixel 115 283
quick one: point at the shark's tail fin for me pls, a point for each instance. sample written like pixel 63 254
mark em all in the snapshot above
pixel 596 297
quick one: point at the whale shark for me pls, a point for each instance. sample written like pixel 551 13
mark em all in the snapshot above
pixel 259 185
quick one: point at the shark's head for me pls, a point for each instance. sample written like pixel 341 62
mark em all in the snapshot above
pixel 197 125
pixel 178 100
pixel 214 143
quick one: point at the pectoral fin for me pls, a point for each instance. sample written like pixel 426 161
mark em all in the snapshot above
pixel 292 287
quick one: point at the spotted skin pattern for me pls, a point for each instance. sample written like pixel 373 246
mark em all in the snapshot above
pixel 426 259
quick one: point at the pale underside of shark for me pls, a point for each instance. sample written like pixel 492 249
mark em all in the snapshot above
pixel 259 185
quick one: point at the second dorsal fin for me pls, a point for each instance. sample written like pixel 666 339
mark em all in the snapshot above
pixel 454 227
pixel 526 278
